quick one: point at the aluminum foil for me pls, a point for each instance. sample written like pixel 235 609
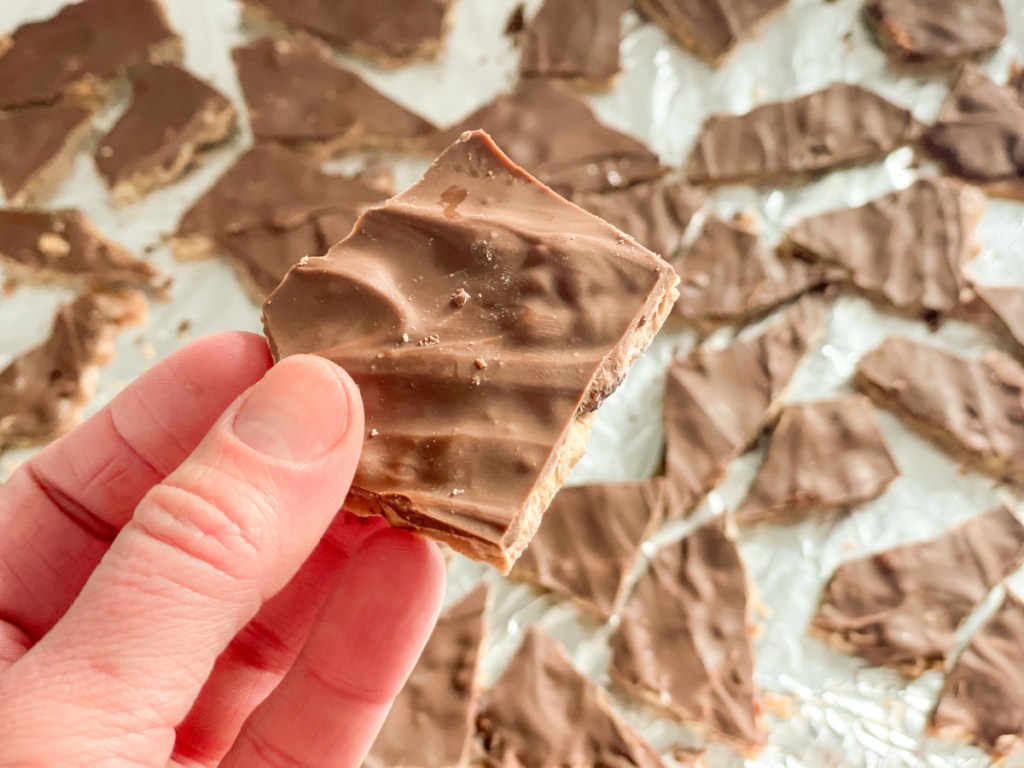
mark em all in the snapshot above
pixel 824 709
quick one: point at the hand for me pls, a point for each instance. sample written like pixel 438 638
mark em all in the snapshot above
pixel 176 588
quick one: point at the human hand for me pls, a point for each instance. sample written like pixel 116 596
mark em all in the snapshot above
pixel 176 588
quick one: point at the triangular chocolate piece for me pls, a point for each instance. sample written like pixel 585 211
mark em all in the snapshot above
pixel 717 401
pixel 37 149
pixel 298 95
pixel 823 455
pixel 902 607
pixel 1006 306
pixel 906 250
pixel 684 643
pixel 501 315
pixel 542 713
pixel 606 523
pixel 433 720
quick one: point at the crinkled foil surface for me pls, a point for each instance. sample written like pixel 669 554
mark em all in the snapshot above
pixel 824 709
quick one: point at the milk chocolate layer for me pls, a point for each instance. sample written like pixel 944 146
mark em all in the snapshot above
pixel 554 135
pixel 433 721
pixel 82 50
pixel 906 250
pixel 709 28
pixel 172 118
pixel 979 133
pixel 606 523
pixel 933 34
pixel 478 408
pixel 575 40
pixel 43 390
pixel 37 149
pixel 542 713
pixel 972 408
pixel 299 96
pixel 1006 307
pixel 684 642
pixel 902 607
pixel 983 696
pixel 717 401
pixel 841 125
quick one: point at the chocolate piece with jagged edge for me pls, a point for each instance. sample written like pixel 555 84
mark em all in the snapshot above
pixel 728 273
pixel 173 117
pixel 299 96
pixel 83 52
pixel 392 33
pixel 906 250
pixel 37 149
pixel 554 135
pixel 902 607
pixel 823 455
pixel 576 41
pixel 979 133
pixel 709 28
pixel 973 408
pixel 543 713
pixel 717 401
pixel 935 34
pixel 499 387
pixel 1005 308
pixel 982 700
pixel 43 390
pixel 64 246
pixel 433 720
pixel 684 641
pixel 838 126
pixel 606 523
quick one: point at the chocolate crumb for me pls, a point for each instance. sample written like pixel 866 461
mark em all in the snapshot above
pixel 54 245
pixel 184 327
pixel 516 20
pixel 460 297
pixel 480 363
pixel 429 341
pixel 374 432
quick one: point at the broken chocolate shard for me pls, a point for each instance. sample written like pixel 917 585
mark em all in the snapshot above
pixel 606 523
pixel 573 153
pixel 838 126
pixel 684 642
pixel 902 607
pixel 546 278
pixel 543 713
pixel 298 95
pixel 37 149
pixel 173 117
pixel 906 250
pixel 1005 305
pixel 973 408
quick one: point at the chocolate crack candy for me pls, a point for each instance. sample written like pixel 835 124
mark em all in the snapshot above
pixel 484 319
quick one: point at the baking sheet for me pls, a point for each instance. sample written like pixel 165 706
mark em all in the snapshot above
pixel 825 709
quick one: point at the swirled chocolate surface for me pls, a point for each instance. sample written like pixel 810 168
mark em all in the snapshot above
pixel 33 138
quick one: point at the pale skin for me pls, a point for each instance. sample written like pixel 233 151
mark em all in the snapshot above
pixel 177 587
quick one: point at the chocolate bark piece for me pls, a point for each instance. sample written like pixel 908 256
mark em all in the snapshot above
pixel 728 273
pixel 840 125
pixel 656 213
pixel 43 390
pixel 606 523
pixel 823 455
pixel 65 246
pixel 542 713
pixel 717 401
pixel 974 408
pixel 392 33
pixel 709 28
pixel 684 642
pixel 433 720
pixel 299 96
pixel 901 608
pixel 554 135
pixel 81 53
pixel 575 41
pixel 37 149
pixel 983 696
pixel 1005 307
pixel 979 132
pixel 906 250
pixel 935 34
pixel 478 409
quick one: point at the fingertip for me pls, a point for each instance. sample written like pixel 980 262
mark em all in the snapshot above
pixel 409 558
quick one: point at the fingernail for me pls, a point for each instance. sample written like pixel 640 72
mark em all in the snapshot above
pixel 297 413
